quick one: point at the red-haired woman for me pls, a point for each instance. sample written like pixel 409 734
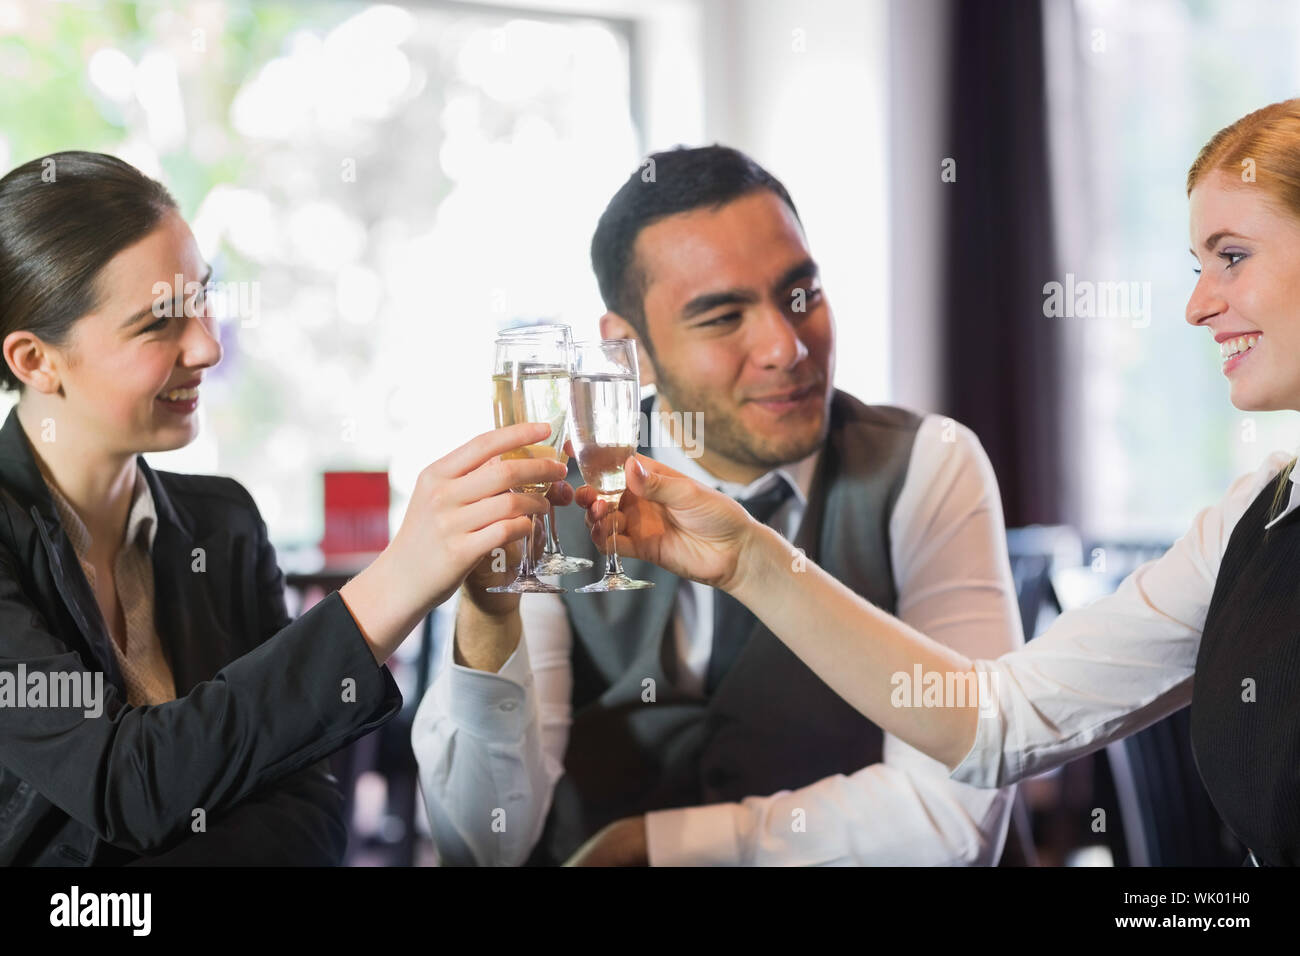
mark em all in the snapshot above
pixel 1217 613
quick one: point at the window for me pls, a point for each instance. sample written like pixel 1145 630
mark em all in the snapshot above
pixel 1160 438
pixel 391 184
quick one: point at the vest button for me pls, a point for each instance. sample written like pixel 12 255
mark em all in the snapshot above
pixel 508 705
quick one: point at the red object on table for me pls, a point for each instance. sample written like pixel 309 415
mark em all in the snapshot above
pixel 356 513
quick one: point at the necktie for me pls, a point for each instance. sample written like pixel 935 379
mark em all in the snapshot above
pixel 732 621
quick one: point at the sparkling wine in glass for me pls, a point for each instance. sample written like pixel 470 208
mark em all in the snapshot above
pixel 604 412
pixel 530 383
pixel 553 559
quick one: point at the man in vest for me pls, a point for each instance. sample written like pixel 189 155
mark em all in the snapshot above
pixel 667 726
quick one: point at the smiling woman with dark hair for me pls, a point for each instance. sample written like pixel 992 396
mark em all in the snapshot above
pixel 162 589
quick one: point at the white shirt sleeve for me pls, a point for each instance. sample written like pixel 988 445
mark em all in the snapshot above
pixel 949 555
pixel 490 747
pixel 1111 668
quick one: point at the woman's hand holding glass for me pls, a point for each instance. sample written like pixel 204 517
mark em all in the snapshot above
pixel 701 534
pixel 675 522
pixel 497 568
pixel 461 509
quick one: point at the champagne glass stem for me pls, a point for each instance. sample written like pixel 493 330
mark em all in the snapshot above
pixel 526 570
pixel 552 540
pixel 612 564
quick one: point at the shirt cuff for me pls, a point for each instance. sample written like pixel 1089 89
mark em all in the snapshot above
pixel 984 764
pixel 496 706
pixel 693 836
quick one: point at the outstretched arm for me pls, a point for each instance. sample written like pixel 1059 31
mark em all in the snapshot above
pixel 1097 674
pixel 851 644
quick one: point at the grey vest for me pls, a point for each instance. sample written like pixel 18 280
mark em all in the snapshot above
pixel 772 724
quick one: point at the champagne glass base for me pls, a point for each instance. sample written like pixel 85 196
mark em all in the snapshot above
pixel 562 564
pixel 526 586
pixel 615 582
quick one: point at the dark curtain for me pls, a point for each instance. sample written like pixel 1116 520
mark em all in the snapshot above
pixel 1001 356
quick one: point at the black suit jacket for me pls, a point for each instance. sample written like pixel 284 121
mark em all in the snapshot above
pixel 261 702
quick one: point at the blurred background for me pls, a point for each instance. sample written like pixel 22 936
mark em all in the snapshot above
pixel 398 182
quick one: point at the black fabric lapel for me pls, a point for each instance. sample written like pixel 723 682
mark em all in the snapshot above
pixel 189 569
pixel 21 476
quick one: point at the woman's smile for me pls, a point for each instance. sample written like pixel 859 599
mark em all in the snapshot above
pixel 1236 347
pixel 183 399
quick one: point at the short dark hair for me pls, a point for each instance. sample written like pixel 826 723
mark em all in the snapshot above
pixel 62 218
pixel 666 183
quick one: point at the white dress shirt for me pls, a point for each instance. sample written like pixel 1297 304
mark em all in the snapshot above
pixel 491 746
pixel 1121 663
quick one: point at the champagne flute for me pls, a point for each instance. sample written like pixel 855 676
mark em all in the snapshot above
pixel 530 383
pixel 605 412
pixel 553 559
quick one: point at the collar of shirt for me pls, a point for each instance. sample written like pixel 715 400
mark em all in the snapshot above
pixel 141 519
pixel 799 474
pixel 1294 501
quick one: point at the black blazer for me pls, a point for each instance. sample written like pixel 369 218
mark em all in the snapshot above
pixel 261 700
